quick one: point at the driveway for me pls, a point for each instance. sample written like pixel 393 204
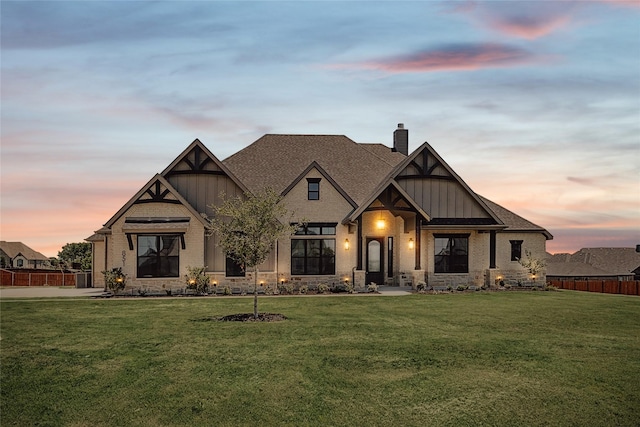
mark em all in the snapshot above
pixel 47 292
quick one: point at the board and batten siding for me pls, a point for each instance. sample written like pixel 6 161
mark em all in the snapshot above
pixel 201 181
pixel 443 198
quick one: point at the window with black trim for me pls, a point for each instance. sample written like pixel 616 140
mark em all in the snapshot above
pixel 233 268
pixel 313 188
pixel 451 253
pixel 516 249
pixel 317 229
pixel 314 256
pixel 159 255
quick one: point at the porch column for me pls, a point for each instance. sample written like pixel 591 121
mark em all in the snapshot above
pixel 359 245
pixel 492 249
pixel 417 245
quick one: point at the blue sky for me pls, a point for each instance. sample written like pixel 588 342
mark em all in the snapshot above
pixel 536 105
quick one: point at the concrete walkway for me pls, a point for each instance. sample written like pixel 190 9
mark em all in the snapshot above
pixel 48 292
pixel 56 292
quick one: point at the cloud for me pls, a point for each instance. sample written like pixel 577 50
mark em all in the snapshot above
pixel 455 57
pixel 40 25
pixel 526 20
pixel 529 27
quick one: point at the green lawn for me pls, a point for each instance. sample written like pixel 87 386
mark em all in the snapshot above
pixel 503 359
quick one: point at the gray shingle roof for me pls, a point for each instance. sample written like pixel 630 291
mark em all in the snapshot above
pixel 613 260
pixel 277 160
pixel 513 221
pixel 576 269
pixel 12 249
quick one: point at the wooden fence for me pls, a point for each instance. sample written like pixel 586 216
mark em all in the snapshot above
pixel 628 287
pixel 29 278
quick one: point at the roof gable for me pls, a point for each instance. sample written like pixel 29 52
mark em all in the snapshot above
pixel 157 190
pixel 436 189
pixel 197 159
pixel 320 169
pixel 392 198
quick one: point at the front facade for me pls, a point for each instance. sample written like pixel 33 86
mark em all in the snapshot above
pixel 373 214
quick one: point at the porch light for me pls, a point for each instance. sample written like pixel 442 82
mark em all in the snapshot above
pixel 380 224
pixel 411 243
pixel 346 244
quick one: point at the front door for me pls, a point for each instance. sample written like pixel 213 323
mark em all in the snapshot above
pixel 375 260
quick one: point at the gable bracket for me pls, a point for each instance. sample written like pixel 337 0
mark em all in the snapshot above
pixel 157 196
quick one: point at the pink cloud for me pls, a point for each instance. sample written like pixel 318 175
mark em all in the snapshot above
pixel 459 57
pixel 527 26
pixel 526 20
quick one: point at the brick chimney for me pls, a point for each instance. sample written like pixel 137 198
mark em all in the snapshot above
pixel 401 140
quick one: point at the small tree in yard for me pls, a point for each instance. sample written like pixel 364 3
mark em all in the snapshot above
pixel 248 228
pixel 532 264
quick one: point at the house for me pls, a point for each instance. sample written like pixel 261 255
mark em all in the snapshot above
pixel 595 263
pixel 374 214
pixel 19 255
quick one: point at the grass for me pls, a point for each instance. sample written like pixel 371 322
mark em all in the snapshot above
pixel 511 358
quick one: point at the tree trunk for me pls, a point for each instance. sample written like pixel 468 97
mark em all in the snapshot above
pixel 255 293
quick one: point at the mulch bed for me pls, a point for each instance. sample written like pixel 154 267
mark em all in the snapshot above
pixel 246 317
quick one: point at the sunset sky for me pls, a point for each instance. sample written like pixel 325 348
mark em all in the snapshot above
pixel 536 105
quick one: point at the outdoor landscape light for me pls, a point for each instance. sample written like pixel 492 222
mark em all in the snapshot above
pixel 346 244
pixel 411 243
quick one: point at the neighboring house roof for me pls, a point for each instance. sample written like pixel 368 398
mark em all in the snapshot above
pixel 575 269
pixel 612 261
pixel 13 249
pixel 278 160
pixel 514 222
pixel 619 260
